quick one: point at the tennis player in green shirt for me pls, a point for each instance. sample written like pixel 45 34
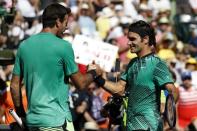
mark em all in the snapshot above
pixel 45 63
pixel 144 78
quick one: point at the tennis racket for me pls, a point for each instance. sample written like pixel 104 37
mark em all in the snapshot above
pixel 170 111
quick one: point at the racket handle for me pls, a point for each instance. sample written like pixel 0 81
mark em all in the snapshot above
pixel 117 65
pixel 16 117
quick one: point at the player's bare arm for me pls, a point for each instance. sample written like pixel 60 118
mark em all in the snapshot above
pixel 82 81
pixel 172 89
pixel 115 88
pixel 15 90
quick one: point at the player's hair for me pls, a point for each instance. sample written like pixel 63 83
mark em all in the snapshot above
pixel 143 29
pixel 52 13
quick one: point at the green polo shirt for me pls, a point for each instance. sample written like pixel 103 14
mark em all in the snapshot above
pixel 145 78
pixel 46 62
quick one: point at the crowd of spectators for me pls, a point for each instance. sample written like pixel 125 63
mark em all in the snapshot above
pixel 175 23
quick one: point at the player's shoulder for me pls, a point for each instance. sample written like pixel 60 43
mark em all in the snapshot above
pixel 132 61
pixel 27 41
pixel 22 44
pixel 157 59
pixel 159 63
pixel 64 45
pixel 64 42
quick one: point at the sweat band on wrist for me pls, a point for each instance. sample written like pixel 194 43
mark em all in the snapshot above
pixel 20 111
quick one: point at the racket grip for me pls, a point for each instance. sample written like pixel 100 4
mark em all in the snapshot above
pixel 117 65
pixel 16 117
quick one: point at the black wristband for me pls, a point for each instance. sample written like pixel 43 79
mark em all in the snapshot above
pixel 20 111
pixel 100 81
pixel 93 73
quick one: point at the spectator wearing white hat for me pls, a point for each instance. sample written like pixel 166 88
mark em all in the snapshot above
pixel 129 7
pixel 103 22
pixel 156 5
pixel 145 12
pixel 86 21
pixel 164 27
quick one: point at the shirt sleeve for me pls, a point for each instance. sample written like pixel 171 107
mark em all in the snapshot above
pixel 162 74
pixel 69 60
pixel 124 76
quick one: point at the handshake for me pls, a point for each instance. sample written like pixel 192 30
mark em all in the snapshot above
pixel 96 73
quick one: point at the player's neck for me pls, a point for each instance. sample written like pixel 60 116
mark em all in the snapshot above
pixel 144 52
pixel 50 30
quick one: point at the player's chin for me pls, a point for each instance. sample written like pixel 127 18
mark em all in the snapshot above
pixel 132 50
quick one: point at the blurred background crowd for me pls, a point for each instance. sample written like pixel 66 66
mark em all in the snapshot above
pixel 175 24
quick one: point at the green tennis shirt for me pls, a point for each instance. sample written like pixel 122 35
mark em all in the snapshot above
pixel 46 62
pixel 145 78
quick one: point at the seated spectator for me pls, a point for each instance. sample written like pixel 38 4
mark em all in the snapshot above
pixel 6 102
pixel 193 46
pixel 78 106
pixel 97 98
pixel 85 20
pixel 99 5
pixel 187 103
pixel 166 52
pixel 191 65
pixel 103 22
pixel 163 27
